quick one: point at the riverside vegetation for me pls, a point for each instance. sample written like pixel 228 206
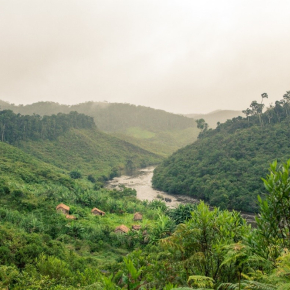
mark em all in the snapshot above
pixel 190 247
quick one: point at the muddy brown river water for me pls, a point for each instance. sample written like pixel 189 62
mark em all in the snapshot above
pixel 141 182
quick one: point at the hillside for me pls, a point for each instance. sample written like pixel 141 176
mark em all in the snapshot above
pixel 72 142
pixel 154 130
pixel 216 116
pixel 21 172
pixel 224 166
pixel 43 248
pixel 91 152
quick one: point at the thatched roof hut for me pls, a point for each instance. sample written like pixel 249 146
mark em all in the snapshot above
pixel 137 216
pixel 136 227
pixel 97 211
pixel 63 208
pixel 121 229
pixel 70 217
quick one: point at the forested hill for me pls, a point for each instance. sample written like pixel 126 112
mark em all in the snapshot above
pixel 224 166
pixel 72 142
pixel 50 238
pixel 111 117
pixel 16 127
pixel 154 130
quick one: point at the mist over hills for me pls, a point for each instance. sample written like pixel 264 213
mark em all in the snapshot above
pixel 72 142
pixel 216 116
pixel 154 130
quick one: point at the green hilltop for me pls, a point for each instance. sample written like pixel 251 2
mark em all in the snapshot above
pixel 224 167
pixel 154 130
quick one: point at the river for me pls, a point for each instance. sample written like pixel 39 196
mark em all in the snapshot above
pixel 141 182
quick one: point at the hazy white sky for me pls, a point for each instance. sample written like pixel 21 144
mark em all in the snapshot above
pixel 183 56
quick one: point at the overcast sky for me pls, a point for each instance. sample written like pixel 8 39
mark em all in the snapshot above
pixel 183 56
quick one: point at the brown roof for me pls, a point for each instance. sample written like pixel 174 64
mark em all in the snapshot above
pixel 122 228
pixel 61 205
pixel 137 216
pixel 98 210
pixel 136 227
pixel 70 217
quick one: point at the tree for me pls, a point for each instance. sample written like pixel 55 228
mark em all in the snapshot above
pixel 264 96
pixel 75 174
pixel 248 112
pixel 274 219
pixel 286 98
pixel 201 124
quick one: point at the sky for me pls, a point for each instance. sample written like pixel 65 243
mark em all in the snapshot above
pixel 182 56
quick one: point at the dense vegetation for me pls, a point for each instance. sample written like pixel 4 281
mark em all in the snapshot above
pixel 72 142
pixel 154 130
pixel 112 117
pixel 16 127
pixel 40 248
pixel 224 166
pixel 191 246
pixel 91 152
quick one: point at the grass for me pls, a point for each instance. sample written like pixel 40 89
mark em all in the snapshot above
pixel 163 143
pixel 89 151
pixel 139 133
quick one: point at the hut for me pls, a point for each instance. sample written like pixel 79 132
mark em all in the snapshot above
pixel 137 216
pixel 121 229
pixel 63 208
pixel 97 211
pixel 70 217
pixel 136 227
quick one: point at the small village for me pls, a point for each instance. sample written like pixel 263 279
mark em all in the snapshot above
pixel 121 229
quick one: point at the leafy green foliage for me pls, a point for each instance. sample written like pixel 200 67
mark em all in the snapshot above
pixel 182 213
pixel 90 152
pixel 40 247
pixel 224 166
pixel 190 247
pixel 75 174
pixel 273 221
pixel 14 127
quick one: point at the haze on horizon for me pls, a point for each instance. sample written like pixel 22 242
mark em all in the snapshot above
pixel 180 56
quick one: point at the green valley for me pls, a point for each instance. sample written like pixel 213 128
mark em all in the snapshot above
pixel 72 142
pixel 62 161
pixel 154 130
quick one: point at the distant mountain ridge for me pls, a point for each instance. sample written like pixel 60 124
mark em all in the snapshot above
pixel 154 130
pixel 216 116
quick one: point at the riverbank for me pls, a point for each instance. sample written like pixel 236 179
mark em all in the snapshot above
pixel 141 182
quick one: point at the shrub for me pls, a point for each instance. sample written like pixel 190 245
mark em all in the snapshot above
pixel 75 174
pixel 91 178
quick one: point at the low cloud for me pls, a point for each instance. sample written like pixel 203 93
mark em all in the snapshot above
pixel 184 57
